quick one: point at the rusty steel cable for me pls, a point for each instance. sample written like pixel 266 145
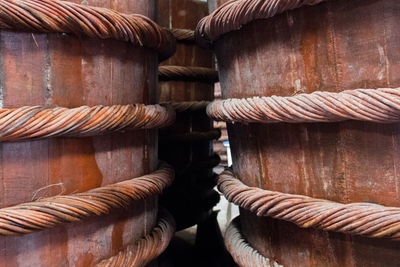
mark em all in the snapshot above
pixel 234 14
pixel 241 251
pixel 183 35
pixel 193 136
pixel 41 122
pixel 188 74
pixel 366 219
pixel 188 106
pixel 146 249
pixel 374 105
pixel 50 16
pixel 49 212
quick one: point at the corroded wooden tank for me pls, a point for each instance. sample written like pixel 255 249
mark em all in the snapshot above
pixel 64 70
pixel 332 46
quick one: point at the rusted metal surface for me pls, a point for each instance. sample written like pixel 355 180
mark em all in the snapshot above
pixel 188 106
pixel 189 74
pixel 366 219
pixel 375 105
pixel 48 212
pixel 95 22
pixel 59 70
pixel 333 46
pixel 40 122
pixel 188 198
pixel 183 35
pixel 148 248
pixel 232 15
pixel 243 254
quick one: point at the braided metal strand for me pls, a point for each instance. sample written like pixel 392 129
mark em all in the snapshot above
pixel 366 219
pixel 188 74
pixel 51 16
pixel 188 105
pixel 235 13
pixel 374 105
pixel 242 252
pixel 49 212
pixel 146 249
pixel 183 35
pixel 40 122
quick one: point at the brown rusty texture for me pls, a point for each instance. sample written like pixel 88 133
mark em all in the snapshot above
pixel 334 46
pixel 68 17
pixel 183 35
pixel 62 70
pixel 188 106
pixel 189 74
pixel 188 198
pixel 48 212
pixel 243 254
pixel 40 122
pixel 231 15
pixel 375 105
pixel 366 219
pixel 148 248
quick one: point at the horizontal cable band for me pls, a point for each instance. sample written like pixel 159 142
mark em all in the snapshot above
pixel 187 74
pixel 183 35
pixel 374 105
pixel 234 14
pixel 50 212
pixel 146 249
pixel 49 16
pixel 41 122
pixel 241 251
pixel 192 136
pixel 366 219
pixel 187 106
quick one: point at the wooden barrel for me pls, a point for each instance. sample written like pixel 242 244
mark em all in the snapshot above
pixel 191 197
pixel 332 46
pixel 70 71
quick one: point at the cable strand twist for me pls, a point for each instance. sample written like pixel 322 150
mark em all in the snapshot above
pixel 49 212
pixel 374 105
pixel 366 219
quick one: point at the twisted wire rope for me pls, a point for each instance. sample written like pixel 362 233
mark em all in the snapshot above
pixel 234 14
pixel 49 212
pixel 189 74
pixel 241 251
pixel 50 16
pixel 366 219
pixel 41 122
pixel 183 35
pixel 147 248
pixel 374 105
pixel 187 105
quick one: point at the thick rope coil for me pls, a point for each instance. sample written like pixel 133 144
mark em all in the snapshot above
pixel 146 249
pixel 49 16
pixel 188 74
pixel 366 219
pixel 41 122
pixel 187 105
pixel 183 35
pixel 50 212
pixel 194 136
pixel 241 251
pixel 374 105
pixel 232 15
